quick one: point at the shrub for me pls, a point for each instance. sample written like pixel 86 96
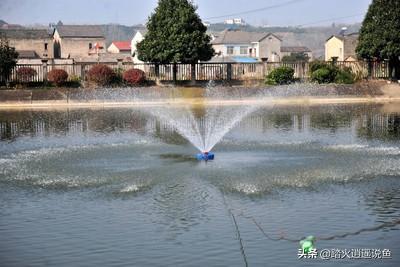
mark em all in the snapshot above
pixel 57 76
pixel 134 76
pixel 117 79
pixel 345 76
pixel 101 74
pixel 75 78
pixel 323 75
pixel 281 75
pixel 26 74
pixel 316 65
pixel 322 72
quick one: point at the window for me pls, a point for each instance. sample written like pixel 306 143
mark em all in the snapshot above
pixel 45 46
pixel 243 50
pixel 229 50
pixel 90 46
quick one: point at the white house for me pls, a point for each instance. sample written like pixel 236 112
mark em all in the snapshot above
pixel 235 21
pixel 341 47
pixel 244 45
pixel 137 38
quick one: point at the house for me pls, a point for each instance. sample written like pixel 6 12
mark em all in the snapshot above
pixel 30 43
pixel 120 47
pixel 78 41
pixel 235 21
pixel 260 46
pixel 290 50
pixel 341 47
pixel 137 38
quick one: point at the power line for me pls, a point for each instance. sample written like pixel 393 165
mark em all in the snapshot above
pixel 256 10
pixel 331 19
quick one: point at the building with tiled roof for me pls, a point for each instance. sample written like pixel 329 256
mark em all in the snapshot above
pixel 137 38
pixel 120 47
pixel 235 43
pixel 78 41
pixel 341 47
pixel 38 42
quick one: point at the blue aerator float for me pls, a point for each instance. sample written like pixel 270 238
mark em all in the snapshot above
pixel 205 156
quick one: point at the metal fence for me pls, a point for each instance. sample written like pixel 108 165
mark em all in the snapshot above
pixel 201 71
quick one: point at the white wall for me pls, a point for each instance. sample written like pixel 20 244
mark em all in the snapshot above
pixel 135 40
pixel 236 49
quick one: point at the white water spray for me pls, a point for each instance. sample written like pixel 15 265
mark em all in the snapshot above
pixel 207 123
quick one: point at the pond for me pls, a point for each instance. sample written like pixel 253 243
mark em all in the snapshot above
pixel 120 187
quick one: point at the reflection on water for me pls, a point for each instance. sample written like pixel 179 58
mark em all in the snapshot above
pixel 118 187
pixel 367 124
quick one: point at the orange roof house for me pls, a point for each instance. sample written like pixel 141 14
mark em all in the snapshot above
pixel 118 47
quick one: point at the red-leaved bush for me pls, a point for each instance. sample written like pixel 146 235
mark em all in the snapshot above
pixel 101 74
pixel 57 76
pixel 134 76
pixel 26 74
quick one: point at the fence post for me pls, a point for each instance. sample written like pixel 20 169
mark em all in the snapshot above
pixel 334 61
pixel 157 70
pixel 264 68
pixel 369 66
pixel 83 74
pixel 229 71
pixel 174 71
pixel 193 72
pixel 44 67
pixel 119 63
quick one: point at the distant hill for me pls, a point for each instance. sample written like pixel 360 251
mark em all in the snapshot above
pixel 116 32
pixel 5 25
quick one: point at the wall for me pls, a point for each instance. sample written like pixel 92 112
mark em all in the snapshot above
pixel 74 47
pixel 270 47
pixel 223 48
pixel 334 48
pixel 135 40
pixel 34 44
pixel 113 49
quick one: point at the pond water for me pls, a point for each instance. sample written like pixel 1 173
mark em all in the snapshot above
pixel 118 187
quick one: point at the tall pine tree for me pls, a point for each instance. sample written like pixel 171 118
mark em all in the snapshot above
pixel 175 35
pixel 380 34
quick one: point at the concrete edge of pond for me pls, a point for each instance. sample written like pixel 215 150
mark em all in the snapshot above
pixel 302 100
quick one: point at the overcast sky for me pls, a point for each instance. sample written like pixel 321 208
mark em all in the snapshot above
pixel 131 12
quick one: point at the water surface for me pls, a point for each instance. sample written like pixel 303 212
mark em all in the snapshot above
pixel 118 187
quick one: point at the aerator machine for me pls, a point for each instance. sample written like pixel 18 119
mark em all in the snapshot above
pixel 205 156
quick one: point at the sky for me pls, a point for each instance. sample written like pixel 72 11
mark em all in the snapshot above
pixel 132 12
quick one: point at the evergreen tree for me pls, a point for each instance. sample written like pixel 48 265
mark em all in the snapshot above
pixel 380 34
pixel 175 35
pixel 8 59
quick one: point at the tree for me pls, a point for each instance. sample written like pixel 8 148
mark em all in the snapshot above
pixel 296 57
pixel 380 34
pixel 8 59
pixel 175 34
